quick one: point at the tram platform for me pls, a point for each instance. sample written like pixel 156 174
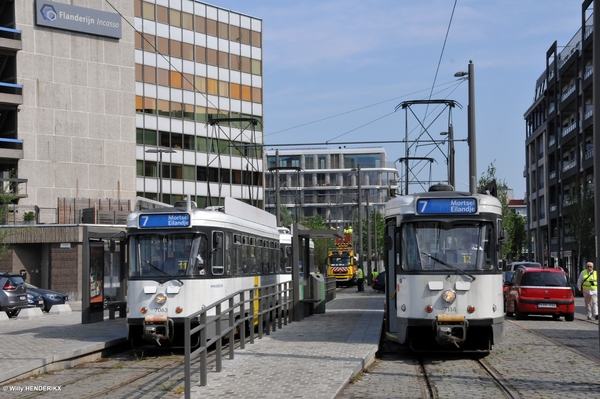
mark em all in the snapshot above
pixel 314 358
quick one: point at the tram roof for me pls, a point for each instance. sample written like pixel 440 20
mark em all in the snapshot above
pixel 407 204
pixel 235 214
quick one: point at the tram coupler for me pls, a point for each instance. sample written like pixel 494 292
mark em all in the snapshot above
pixel 157 327
pixel 450 329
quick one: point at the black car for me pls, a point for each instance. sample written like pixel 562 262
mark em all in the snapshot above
pixel 50 297
pixel 34 300
pixel 379 282
pixel 13 294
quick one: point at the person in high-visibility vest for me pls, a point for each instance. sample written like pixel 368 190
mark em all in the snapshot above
pixel 588 283
pixel 360 277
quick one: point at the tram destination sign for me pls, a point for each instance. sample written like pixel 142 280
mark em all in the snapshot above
pixel 165 220
pixel 447 206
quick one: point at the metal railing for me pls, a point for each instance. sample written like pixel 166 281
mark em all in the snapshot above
pixel 267 307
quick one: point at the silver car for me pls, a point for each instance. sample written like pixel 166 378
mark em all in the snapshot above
pixel 13 295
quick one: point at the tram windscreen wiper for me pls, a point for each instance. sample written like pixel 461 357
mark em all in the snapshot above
pixel 438 260
pixel 162 271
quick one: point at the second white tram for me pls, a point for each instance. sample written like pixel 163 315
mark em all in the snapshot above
pixel 182 259
pixel 443 259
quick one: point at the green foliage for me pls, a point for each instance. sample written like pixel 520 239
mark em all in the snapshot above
pixel 8 195
pixel 378 225
pixel 29 216
pixel 514 224
pixel 321 244
pixel 285 216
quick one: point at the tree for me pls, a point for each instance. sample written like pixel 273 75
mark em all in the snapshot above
pixel 8 195
pixel 580 222
pixel 514 225
pixel 321 244
pixel 285 216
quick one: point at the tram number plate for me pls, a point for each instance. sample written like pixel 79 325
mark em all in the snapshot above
pixel 546 305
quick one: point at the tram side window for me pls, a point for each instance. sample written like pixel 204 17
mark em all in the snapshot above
pixel 267 268
pixel 274 265
pixel 237 255
pixel 258 265
pixel 217 253
pixel 286 259
pixel 228 253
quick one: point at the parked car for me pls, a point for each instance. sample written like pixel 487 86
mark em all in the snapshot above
pixel 13 295
pixel 379 282
pixel 542 291
pixel 512 266
pixel 34 300
pixel 50 298
pixel 507 276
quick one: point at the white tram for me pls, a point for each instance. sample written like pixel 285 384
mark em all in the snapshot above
pixel 182 259
pixel 443 259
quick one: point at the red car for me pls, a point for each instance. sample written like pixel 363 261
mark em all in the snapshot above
pixel 541 291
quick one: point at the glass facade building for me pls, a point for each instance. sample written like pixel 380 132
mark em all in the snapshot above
pixel 199 103
pixel 324 182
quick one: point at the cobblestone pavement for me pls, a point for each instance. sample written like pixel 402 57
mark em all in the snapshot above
pixel 532 358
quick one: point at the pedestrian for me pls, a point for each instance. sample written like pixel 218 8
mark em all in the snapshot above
pixel 360 277
pixel 588 283
pixel 374 275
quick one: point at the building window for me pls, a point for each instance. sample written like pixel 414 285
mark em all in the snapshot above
pixel 148 11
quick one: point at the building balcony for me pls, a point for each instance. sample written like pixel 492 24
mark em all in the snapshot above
pixel 10 39
pixel 567 93
pixel 11 93
pixel 569 165
pixel 568 129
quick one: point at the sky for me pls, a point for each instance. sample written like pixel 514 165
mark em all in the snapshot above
pixel 335 70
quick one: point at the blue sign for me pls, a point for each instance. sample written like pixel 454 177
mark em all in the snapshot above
pixel 77 19
pixel 447 206
pixel 165 220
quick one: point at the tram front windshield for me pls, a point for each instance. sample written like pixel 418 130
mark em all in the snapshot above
pixel 159 255
pixel 438 245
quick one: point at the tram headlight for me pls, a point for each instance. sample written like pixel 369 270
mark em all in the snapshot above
pixel 161 298
pixel 449 296
pixel 144 310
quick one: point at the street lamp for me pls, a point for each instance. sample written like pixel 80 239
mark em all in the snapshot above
pixel 160 152
pixel 450 134
pixel 471 127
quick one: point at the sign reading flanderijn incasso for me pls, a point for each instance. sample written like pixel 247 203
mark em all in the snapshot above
pixel 77 19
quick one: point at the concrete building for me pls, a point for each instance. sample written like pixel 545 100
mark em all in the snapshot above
pixel 99 105
pixel 559 145
pixel 324 181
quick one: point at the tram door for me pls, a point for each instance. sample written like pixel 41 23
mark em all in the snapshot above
pixel 390 265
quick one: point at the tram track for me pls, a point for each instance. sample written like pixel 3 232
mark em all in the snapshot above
pixel 441 374
pixel 142 372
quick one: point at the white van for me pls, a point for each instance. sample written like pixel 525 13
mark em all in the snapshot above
pixel 512 266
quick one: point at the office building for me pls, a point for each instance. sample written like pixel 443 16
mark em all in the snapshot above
pixel 199 102
pixel 102 102
pixel 324 182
